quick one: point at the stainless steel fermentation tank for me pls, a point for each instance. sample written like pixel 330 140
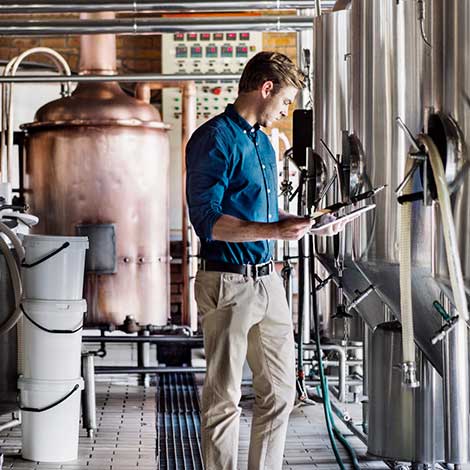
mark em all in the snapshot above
pixel 372 66
pixel 391 405
pixel 97 164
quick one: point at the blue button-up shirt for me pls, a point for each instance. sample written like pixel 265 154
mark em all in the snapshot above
pixel 231 170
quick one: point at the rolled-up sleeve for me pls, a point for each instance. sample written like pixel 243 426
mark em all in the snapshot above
pixel 207 166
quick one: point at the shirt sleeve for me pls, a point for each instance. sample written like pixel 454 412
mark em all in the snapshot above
pixel 207 166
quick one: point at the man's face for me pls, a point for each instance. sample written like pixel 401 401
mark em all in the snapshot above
pixel 275 106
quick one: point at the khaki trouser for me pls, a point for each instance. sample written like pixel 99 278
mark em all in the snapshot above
pixel 245 318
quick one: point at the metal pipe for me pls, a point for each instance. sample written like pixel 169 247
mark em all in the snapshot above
pixel 190 260
pixel 456 392
pixel 10 424
pixel 109 370
pixel 89 394
pixel 139 6
pixel 143 358
pixel 318 7
pixel 145 77
pixel 333 381
pixel 194 341
pixel 153 25
pixel 342 373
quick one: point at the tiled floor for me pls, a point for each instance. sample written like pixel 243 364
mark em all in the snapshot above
pixel 126 436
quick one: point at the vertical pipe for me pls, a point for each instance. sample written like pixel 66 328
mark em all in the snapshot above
pixel 98 52
pixel 143 358
pixel 89 394
pixel 287 268
pixel 456 391
pixel 304 41
pixel 189 235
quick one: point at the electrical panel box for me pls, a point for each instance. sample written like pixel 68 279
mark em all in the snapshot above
pixel 200 53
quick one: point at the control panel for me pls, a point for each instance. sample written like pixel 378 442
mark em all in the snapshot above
pixel 200 53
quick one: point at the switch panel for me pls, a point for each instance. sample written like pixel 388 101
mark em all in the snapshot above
pixel 202 53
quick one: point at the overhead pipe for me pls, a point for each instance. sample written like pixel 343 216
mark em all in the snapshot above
pixel 142 6
pixel 153 25
pixel 143 77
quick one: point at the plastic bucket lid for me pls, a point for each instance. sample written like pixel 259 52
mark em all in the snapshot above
pixel 36 240
pixel 36 385
pixel 54 306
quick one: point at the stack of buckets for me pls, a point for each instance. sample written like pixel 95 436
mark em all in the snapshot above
pixel 51 346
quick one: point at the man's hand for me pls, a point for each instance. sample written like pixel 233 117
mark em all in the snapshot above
pixel 292 227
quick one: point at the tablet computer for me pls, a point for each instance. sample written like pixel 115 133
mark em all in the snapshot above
pixel 329 222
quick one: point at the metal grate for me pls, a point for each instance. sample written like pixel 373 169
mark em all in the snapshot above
pixel 178 423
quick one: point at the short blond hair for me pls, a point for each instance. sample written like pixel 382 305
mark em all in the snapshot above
pixel 270 66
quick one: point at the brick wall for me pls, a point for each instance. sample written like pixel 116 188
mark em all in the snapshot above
pixel 286 44
pixel 137 54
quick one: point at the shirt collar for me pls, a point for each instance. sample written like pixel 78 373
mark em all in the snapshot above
pixel 243 123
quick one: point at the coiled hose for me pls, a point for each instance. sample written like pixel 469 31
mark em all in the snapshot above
pixel 13 267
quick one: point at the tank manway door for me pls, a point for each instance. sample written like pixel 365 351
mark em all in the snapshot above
pixel 101 257
pixel 446 136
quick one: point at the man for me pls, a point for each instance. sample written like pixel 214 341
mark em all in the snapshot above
pixel 232 198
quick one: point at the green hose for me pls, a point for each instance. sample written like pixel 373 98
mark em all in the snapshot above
pixel 339 435
pixel 330 425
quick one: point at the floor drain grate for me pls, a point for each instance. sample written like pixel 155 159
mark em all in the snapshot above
pixel 178 423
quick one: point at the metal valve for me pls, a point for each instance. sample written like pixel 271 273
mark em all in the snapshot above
pixel 360 296
pixel 449 323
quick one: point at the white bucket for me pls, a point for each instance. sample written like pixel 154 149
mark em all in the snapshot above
pixel 52 356
pixel 61 276
pixel 52 435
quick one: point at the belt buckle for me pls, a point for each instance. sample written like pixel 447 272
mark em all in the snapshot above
pixel 253 271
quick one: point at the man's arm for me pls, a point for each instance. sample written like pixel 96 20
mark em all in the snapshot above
pixel 290 227
pixel 231 229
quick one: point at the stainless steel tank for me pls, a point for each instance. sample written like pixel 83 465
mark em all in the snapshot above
pixel 386 72
pixel 404 424
pixel 332 84
pixel 8 345
pixel 456 103
pixel 97 164
pixel 394 73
